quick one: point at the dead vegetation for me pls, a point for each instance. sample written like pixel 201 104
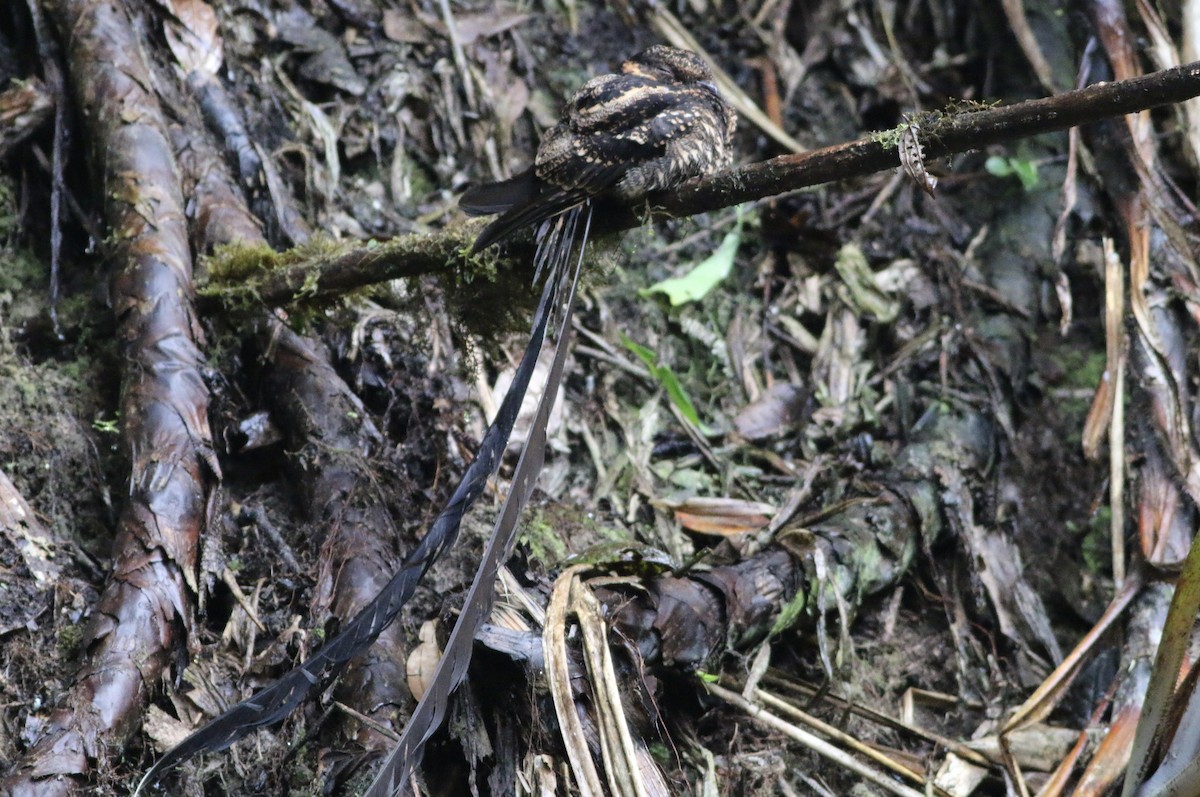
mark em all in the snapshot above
pixel 853 490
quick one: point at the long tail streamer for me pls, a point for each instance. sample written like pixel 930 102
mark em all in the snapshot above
pixel 392 777
pixel 272 704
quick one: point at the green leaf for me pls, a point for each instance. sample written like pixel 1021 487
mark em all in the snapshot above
pixel 678 397
pixel 1025 170
pixel 704 277
pixel 998 166
pixel 645 355
pixel 667 378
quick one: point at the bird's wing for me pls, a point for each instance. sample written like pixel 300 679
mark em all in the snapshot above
pixel 550 201
pixel 489 198
pixel 613 124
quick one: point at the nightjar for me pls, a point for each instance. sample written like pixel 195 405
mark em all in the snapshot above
pixel 658 122
pixel 649 128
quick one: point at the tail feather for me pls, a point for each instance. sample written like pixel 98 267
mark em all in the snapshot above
pixel 490 198
pixel 536 210
pixel 527 200
pixel 555 244
pixel 275 702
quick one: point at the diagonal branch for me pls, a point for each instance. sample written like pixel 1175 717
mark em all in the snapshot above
pixel 941 134
pixel 324 275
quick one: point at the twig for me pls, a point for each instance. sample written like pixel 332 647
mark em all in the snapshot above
pixel 52 69
pixel 812 742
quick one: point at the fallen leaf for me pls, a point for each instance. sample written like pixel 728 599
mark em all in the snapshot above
pixel 423 660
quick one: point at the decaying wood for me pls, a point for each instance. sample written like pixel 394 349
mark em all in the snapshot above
pixel 23 109
pixel 334 441
pixel 691 621
pixel 334 444
pixel 146 608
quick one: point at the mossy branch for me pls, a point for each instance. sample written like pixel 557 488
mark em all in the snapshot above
pixel 327 274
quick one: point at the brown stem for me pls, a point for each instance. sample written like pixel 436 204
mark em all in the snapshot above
pixel 951 133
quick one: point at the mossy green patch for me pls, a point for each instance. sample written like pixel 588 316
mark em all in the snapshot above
pixel 70 637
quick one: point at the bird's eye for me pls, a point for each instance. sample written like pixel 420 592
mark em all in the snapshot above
pixel 710 85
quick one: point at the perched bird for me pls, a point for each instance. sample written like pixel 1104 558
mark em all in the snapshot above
pixel 649 128
pixel 658 122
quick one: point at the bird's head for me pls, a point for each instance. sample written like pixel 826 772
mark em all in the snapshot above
pixel 670 65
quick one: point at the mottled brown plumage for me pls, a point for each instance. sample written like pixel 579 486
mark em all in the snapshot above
pixel 659 122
